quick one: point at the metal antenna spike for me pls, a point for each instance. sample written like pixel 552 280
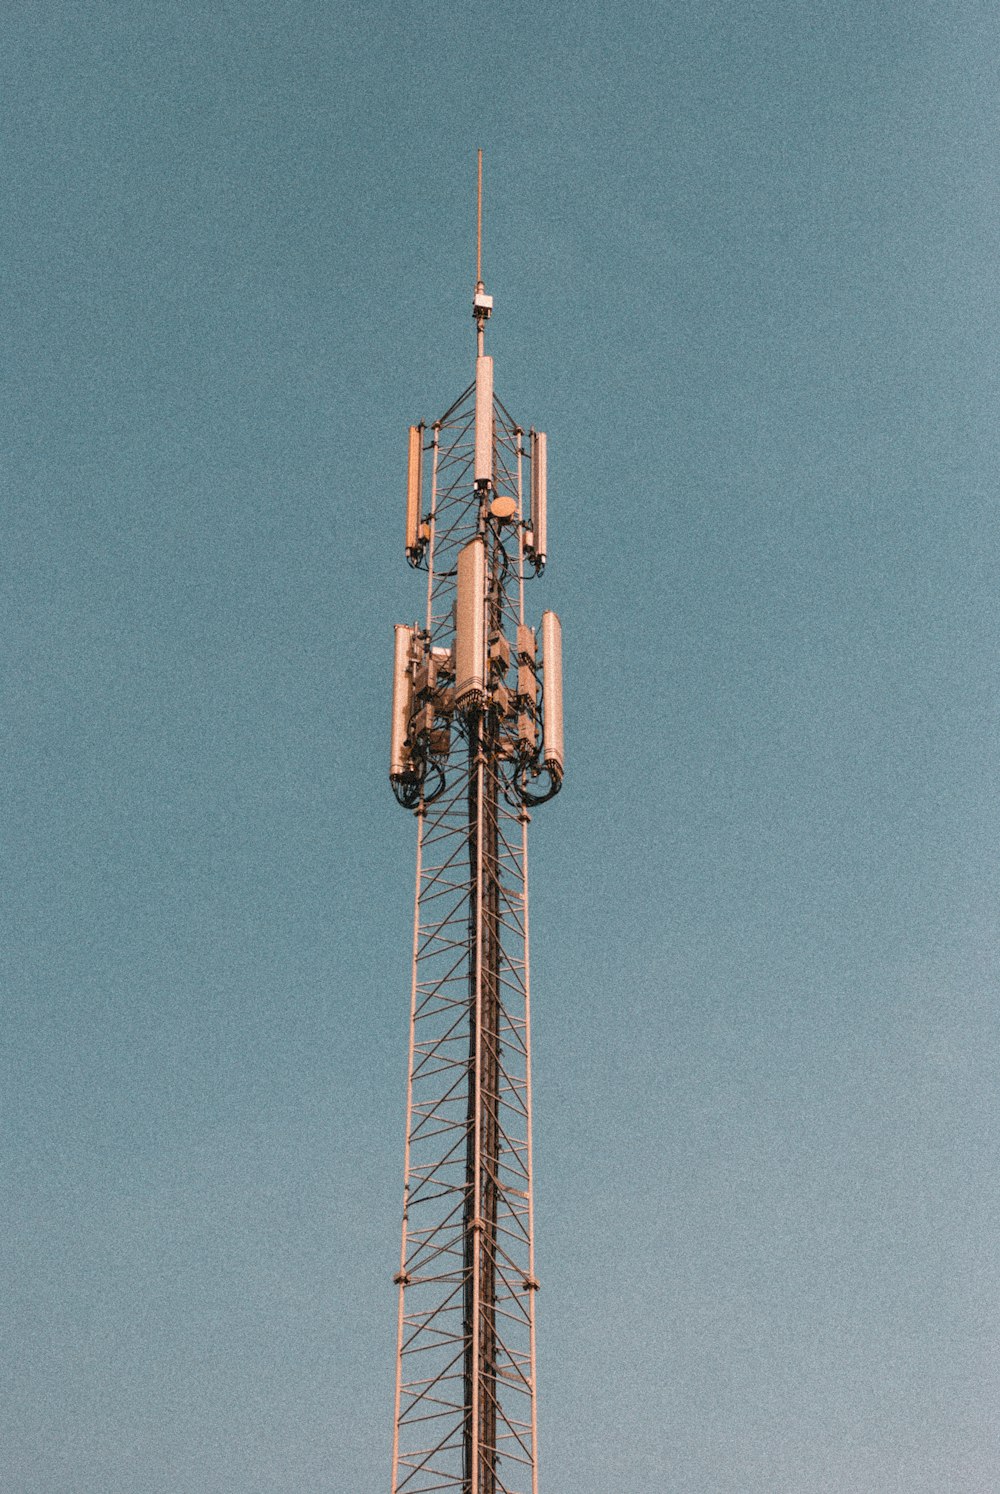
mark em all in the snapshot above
pixel 479 221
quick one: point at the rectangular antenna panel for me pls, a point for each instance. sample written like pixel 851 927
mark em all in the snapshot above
pixel 484 422
pixel 552 747
pixel 414 473
pixel 539 496
pixel 470 625
pixel 398 757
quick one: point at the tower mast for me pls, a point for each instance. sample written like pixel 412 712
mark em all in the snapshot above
pixel 476 744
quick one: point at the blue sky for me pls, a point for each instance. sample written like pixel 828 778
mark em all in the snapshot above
pixel 745 264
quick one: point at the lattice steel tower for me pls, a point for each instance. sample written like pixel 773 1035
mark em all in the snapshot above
pixel 477 742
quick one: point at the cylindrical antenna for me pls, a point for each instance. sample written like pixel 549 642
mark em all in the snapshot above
pixel 538 549
pixel 479 222
pixel 470 625
pixel 414 473
pixel 399 758
pixel 483 463
pixel 552 729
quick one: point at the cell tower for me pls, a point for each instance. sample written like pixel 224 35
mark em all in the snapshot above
pixel 477 742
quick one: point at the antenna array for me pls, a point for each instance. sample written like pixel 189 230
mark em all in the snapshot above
pixel 476 744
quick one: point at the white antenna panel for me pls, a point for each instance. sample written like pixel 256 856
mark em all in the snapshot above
pixel 552 748
pixel 470 625
pixel 414 473
pixel 539 497
pixel 484 422
pixel 398 761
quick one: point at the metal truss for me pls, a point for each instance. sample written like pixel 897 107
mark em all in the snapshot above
pixel 465 1371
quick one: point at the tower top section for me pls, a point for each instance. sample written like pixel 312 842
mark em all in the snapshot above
pixel 482 304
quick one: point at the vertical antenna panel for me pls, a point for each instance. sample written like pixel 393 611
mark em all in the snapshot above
pixel 400 701
pixel 552 676
pixel 484 422
pixel 413 485
pixel 539 497
pixel 470 624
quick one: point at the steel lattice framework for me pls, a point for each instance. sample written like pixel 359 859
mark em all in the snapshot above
pixel 471 762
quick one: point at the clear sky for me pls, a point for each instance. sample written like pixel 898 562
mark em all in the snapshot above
pixel 745 261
